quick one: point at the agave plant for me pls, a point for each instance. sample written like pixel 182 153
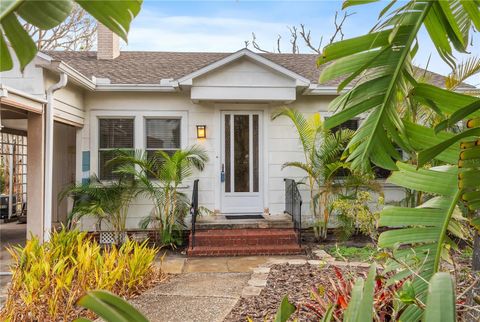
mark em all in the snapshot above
pixel 160 177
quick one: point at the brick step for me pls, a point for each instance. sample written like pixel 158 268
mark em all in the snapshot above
pixel 245 232
pixel 243 237
pixel 241 242
pixel 291 249
pixel 232 241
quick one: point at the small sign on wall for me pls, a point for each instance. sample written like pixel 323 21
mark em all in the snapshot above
pixel 85 167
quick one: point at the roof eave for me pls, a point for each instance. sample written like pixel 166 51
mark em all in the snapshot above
pixel 137 88
pixel 77 77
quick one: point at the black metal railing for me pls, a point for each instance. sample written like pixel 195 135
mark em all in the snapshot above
pixel 194 210
pixel 293 206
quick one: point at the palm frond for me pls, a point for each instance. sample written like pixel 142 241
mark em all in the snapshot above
pixel 307 129
pixel 461 72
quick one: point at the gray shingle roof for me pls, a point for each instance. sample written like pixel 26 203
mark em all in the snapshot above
pixel 149 67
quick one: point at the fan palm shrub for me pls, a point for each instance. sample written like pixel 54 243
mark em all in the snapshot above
pixel 322 164
pixel 106 201
pixel 160 177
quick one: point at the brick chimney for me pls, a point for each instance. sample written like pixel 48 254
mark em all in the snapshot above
pixel 108 46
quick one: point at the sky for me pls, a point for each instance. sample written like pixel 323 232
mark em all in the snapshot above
pixel 224 26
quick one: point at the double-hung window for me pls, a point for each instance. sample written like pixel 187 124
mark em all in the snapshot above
pixel 162 134
pixel 114 133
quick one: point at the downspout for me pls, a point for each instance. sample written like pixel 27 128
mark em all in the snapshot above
pixel 48 188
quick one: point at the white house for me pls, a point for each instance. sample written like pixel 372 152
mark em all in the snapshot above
pixel 80 105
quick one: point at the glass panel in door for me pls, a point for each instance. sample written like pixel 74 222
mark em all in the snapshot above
pixel 241 152
pixel 241 143
pixel 241 162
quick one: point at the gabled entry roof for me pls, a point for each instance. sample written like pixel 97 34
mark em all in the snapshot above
pixel 244 53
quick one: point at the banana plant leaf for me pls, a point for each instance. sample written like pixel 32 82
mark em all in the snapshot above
pixel 418 240
pixel 360 307
pixel 285 310
pixel 110 308
pixel 380 65
pixel 441 299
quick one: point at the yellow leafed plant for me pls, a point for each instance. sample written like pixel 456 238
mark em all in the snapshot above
pixel 48 279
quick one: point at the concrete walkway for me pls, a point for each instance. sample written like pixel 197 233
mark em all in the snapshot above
pixel 11 234
pixel 202 289
pixel 175 264
pixel 187 297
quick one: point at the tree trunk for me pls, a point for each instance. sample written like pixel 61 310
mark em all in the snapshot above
pixel 475 292
pixel 476 253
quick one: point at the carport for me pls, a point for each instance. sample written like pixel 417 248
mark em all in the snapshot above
pixel 22 141
pixel 23 161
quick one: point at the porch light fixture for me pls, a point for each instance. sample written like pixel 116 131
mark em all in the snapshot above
pixel 201 131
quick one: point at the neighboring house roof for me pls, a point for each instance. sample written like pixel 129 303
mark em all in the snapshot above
pixel 149 67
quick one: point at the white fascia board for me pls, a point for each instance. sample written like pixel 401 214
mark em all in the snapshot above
pixel 73 74
pixel 19 99
pixel 44 56
pixel 467 90
pixel 316 89
pixel 6 90
pixel 257 94
pixel 300 80
pixel 82 80
pixel 76 76
pixel 136 88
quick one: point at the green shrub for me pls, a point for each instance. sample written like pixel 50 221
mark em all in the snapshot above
pixel 350 253
pixel 49 278
pixel 357 216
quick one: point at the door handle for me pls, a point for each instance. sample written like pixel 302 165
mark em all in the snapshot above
pixel 222 174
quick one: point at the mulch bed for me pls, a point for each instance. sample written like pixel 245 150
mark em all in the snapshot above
pixel 294 280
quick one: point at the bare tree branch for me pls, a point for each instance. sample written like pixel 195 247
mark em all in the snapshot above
pixel 77 32
pixel 339 26
pixel 307 39
pixel 256 46
pixel 302 35
pixel 293 39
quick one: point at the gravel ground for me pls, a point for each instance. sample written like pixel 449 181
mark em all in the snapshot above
pixel 294 280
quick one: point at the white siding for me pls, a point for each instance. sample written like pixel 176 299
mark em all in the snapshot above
pixel 281 142
pixel 29 81
pixel 244 80
pixel 68 102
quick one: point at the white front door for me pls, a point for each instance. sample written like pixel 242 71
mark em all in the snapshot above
pixel 242 162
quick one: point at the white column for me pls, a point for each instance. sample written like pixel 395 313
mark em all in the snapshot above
pixel 35 175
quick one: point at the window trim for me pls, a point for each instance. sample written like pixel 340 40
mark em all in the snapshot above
pixel 146 118
pixel 139 125
pixel 99 149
